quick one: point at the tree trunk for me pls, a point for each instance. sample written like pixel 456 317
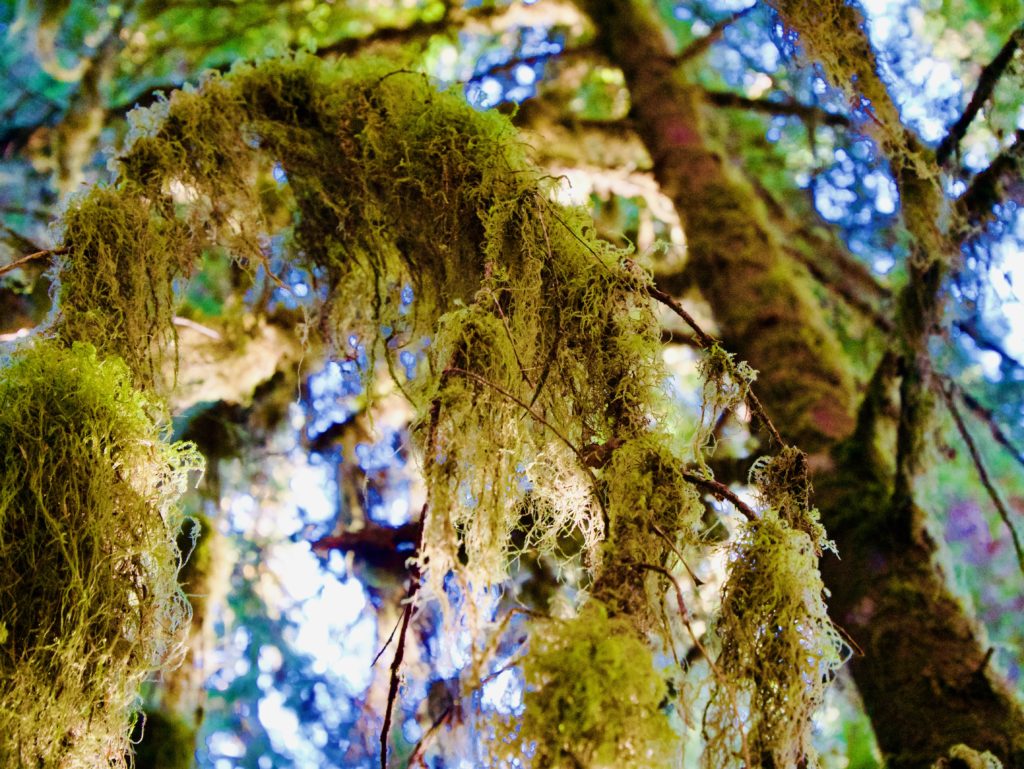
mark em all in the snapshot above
pixel 923 673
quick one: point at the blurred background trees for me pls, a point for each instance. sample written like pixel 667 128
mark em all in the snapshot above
pixel 839 201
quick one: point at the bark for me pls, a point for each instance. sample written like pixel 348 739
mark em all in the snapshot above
pixel 923 673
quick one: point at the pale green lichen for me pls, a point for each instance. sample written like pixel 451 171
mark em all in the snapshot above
pixel 88 589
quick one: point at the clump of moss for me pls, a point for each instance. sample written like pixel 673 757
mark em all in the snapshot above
pixel 779 649
pixel 88 589
pixel 594 697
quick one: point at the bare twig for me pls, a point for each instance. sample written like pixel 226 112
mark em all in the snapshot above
pixel 986 84
pixel 805 112
pixel 986 416
pixel 721 491
pixel 985 189
pixel 700 45
pixel 23 260
pixel 522 404
pixel 986 480
pixel 706 341
pixel 396 665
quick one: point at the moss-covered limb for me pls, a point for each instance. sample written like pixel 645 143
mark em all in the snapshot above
pixel 922 665
pixel 738 259
pixel 856 493
pixel 832 32
pixel 921 662
pixel 87 523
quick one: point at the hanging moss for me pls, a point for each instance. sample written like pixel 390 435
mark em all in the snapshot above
pixel 88 592
pixel 594 697
pixel 541 383
pixel 778 652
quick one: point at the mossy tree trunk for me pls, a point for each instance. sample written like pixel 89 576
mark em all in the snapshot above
pixel 923 673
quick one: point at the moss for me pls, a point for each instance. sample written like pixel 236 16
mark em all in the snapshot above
pixel 163 741
pixel 779 649
pixel 541 383
pixel 594 697
pixel 88 591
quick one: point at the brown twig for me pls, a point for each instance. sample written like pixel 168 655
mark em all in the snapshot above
pixel 990 75
pixel 701 44
pixel 986 480
pixel 806 112
pixel 522 404
pixel 985 188
pixel 396 665
pixel 986 416
pixel 23 260
pixel 721 491
pixel 707 341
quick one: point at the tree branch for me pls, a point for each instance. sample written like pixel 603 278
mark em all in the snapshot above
pixel 990 75
pixel 983 475
pixel 23 260
pixel 700 45
pixel 984 191
pixel 806 112
pixel 706 341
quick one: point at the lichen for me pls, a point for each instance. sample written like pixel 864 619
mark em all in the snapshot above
pixel 88 592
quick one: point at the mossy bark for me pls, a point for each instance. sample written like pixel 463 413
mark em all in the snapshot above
pixel 923 675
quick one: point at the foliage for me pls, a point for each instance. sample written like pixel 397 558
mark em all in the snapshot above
pixel 88 590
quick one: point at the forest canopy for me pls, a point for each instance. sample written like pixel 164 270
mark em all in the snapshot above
pixel 611 384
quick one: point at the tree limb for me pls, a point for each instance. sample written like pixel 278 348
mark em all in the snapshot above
pixel 990 75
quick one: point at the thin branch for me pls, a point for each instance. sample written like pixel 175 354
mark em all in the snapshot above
pixel 986 84
pixel 396 665
pixel 986 480
pixel 414 586
pixel 986 416
pixel 23 260
pixel 706 341
pixel 790 108
pixel 700 45
pixel 721 491
pixel 982 340
pixel 522 404
pixel 985 189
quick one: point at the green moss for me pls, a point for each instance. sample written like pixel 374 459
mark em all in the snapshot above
pixel 594 697
pixel 778 652
pixel 88 591
pixel 539 394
